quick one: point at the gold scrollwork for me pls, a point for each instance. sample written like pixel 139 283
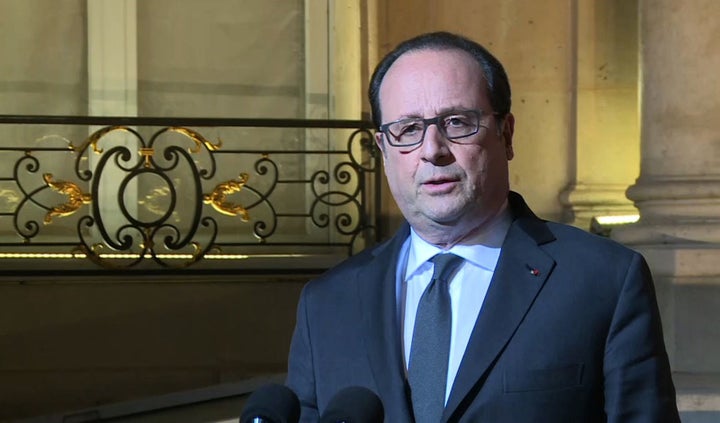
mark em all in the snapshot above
pixel 94 138
pixel 76 198
pixel 197 138
pixel 218 197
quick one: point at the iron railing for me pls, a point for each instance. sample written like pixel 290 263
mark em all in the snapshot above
pixel 207 193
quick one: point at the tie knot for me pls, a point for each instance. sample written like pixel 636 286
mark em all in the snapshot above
pixel 445 265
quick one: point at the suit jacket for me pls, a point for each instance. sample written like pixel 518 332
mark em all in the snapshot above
pixel 569 332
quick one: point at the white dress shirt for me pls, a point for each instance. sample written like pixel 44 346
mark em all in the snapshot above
pixel 468 288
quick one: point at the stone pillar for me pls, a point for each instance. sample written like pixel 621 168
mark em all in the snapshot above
pixel 112 58
pixel 605 131
pixel 678 191
pixel 112 82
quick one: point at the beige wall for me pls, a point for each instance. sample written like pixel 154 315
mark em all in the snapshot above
pixel 221 58
pixel 42 64
pixel 43 52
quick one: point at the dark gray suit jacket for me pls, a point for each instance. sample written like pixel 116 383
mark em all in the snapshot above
pixel 569 332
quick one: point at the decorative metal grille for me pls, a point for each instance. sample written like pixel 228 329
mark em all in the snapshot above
pixel 149 192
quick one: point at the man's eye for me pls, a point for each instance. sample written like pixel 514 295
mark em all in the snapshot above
pixel 457 121
pixel 410 129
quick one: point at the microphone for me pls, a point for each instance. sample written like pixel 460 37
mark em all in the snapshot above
pixel 271 403
pixel 354 405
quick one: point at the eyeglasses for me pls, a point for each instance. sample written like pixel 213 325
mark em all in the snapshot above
pixel 454 126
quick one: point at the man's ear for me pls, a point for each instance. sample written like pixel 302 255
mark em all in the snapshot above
pixel 379 141
pixel 507 135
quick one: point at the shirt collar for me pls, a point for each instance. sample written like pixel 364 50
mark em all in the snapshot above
pixel 479 254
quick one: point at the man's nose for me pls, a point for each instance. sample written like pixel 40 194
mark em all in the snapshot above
pixel 434 145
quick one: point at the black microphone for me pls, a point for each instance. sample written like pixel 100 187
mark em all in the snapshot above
pixel 271 403
pixel 354 405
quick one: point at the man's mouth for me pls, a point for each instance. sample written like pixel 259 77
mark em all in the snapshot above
pixel 440 185
pixel 439 180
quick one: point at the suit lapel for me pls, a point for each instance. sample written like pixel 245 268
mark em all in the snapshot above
pixel 376 286
pixel 521 272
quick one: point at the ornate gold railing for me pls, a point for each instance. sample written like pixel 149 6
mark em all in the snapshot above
pixel 121 192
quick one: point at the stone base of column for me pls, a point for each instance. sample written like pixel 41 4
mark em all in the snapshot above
pixel 674 211
pixel 583 202
pixel 687 283
pixel 679 235
pixel 668 233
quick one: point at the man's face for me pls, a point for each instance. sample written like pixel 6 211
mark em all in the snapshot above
pixel 444 189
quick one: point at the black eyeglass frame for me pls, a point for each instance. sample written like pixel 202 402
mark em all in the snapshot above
pixel 385 127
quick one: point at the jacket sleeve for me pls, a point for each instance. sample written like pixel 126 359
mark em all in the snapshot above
pixel 638 381
pixel 301 372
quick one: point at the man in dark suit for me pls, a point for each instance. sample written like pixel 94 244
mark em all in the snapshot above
pixel 534 322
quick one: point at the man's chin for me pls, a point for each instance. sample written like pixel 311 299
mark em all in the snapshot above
pixel 449 218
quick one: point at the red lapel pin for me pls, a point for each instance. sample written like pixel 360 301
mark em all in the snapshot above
pixel 533 271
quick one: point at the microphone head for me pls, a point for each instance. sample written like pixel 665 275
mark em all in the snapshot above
pixel 354 404
pixel 272 403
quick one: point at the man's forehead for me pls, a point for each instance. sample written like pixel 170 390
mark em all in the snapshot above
pixel 433 54
pixel 416 61
pixel 452 69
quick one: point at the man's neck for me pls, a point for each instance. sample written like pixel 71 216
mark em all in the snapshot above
pixel 490 232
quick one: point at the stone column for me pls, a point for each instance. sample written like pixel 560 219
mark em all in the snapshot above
pixel 604 127
pixel 112 58
pixel 678 191
pixel 112 81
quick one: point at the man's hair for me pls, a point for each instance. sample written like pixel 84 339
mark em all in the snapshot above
pixel 498 86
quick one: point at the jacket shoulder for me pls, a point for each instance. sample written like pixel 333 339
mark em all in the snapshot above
pixel 338 276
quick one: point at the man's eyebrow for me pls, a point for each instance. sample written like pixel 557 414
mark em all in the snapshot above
pixel 443 111
pixel 413 115
pixel 453 109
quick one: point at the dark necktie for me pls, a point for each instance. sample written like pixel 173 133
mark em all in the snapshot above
pixel 430 349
